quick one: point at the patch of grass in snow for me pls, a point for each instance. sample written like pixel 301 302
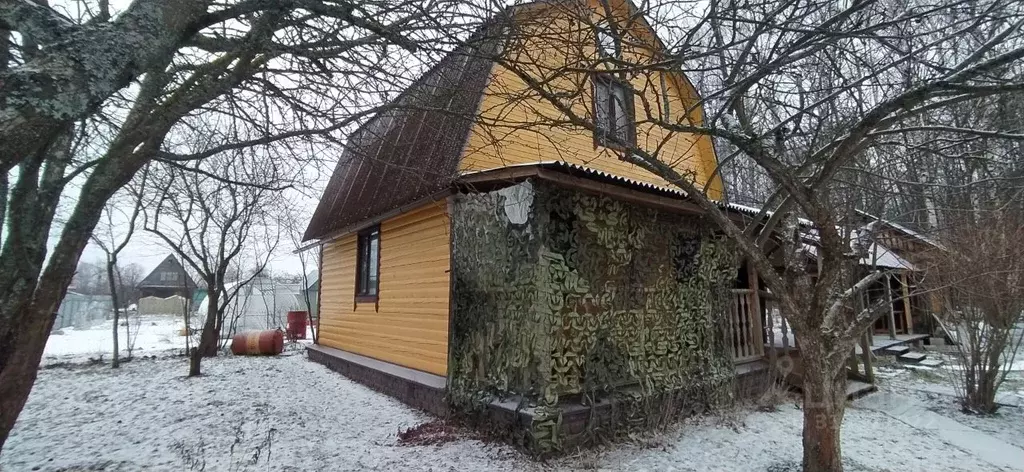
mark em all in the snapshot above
pixel 252 446
pixel 434 432
pixel 929 375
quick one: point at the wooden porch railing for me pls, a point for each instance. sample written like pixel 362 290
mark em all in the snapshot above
pixel 745 334
pixel 779 340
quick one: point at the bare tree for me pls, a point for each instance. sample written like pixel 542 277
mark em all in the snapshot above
pixel 980 279
pixel 808 91
pixel 92 97
pixel 128 278
pixel 213 226
pixel 112 241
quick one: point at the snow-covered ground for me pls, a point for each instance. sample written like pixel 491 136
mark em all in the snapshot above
pixel 286 413
pixel 151 334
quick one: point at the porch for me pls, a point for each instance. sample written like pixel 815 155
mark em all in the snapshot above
pixel 759 334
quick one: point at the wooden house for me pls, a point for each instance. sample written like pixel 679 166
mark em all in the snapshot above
pixel 167 279
pixel 912 308
pixel 529 274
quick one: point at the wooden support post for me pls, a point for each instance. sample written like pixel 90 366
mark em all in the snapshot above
pixel 851 363
pixel 908 322
pixel 755 309
pixel 869 371
pixel 892 310
pixel 785 334
pixel 769 320
pixel 733 342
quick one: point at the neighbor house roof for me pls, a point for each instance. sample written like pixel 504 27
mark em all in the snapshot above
pixel 169 264
pixel 903 229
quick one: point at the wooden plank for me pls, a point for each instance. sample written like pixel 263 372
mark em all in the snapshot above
pixel 909 323
pixel 487 149
pixel 744 313
pixel 772 352
pixel 912 357
pixel 755 298
pixel 869 371
pixel 733 344
pixel 408 326
pixel 892 310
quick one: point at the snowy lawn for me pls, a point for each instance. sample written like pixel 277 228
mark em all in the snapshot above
pixel 151 335
pixel 288 414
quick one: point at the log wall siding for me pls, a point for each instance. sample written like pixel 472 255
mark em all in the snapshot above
pixel 515 124
pixel 409 324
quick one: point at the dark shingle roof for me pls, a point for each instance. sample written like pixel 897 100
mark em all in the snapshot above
pixel 169 264
pixel 412 149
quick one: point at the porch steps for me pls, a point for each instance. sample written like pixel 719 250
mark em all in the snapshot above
pixel 896 350
pixel 856 389
pixel 912 357
pixel 930 363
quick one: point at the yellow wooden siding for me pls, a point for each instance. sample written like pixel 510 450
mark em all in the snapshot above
pixel 518 126
pixel 410 326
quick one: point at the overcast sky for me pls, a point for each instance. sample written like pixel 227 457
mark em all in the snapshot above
pixel 146 249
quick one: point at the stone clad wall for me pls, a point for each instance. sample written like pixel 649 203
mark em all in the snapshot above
pixel 585 300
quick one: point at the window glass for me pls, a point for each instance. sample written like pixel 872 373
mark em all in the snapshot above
pixel 602 105
pixel 606 43
pixel 613 114
pixel 621 124
pixel 368 255
pixel 374 255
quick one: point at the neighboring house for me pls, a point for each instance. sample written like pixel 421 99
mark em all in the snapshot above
pixel 538 278
pixel 913 308
pixel 167 279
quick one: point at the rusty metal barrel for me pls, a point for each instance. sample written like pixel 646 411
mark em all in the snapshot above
pixel 296 325
pixel 258 343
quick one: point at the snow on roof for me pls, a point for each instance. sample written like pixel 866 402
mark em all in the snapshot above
pixel 904 229
pixel 753 211
pixel 881 256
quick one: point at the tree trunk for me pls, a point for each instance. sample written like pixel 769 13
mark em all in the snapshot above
pixel 824 403
pixel 208 338
pixel 22 351
pixel 127 332
pixel 111 263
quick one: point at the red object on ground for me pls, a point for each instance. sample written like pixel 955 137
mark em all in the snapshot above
pixel 296 325
pixel 268 343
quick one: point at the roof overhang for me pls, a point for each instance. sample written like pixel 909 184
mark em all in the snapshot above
pixel 581 178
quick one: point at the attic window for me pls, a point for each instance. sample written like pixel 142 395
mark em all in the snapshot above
pixel 606 43
pixel 614 121
pixel 168 276
pixel 368 265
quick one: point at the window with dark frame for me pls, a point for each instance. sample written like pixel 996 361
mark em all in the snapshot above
pixel 368 264
pixel 614 121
